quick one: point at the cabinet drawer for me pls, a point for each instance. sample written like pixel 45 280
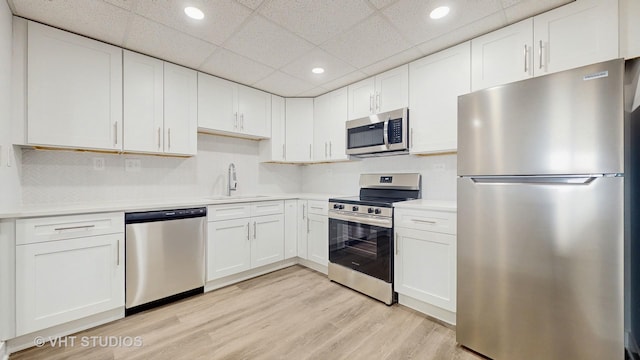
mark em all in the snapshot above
pixel 318 207
pixel 228 212
pixel 36 230
pixel 267 208
pixel 438 221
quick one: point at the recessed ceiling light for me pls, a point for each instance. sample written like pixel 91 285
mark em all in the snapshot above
pixel 194 13
pixel 439 12
pixel 317 70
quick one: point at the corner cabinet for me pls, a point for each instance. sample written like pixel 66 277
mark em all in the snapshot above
pixel 425 261
pixel 329 118
pixel 573 35
pixel 383 92
pixel 74 90
pixel 243 237
pixel 435 82
pixel 68 268
pixel 273 149
pixel 299 129
pixel 227 108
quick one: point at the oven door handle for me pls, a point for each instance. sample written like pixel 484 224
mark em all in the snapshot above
pixel 385 133
pixel 362 219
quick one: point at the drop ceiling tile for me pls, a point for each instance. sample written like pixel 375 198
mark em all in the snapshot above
pixel 125 4
pixel 221 17
pixel 271 44
pixel 316 21
pixel 411 17
pixel 370 41
pixel 379 4
pixel 334 67
pixel 149 37
pixel 392 61
pixel 283 84
pixel 252 4
pixel 526 8
pixel 313 92
pixel 92 18
pixel 464 33
pixel 345 80
pixel 230 65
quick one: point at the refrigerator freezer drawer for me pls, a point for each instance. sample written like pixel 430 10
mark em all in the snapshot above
pixel 540 268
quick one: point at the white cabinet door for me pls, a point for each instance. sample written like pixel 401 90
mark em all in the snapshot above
pixel 335 116
pixel 303 229
pixel 272 149
pixel 425 267
pixel 74 90
pixel 318 239
pixel 180 110
pixel 290 229
pixel 217 104
pixel 254 109
pixel 228 247
pixel 143 103
pixel 361 98
pixel 577 34
pixel 65 280
pixel 267 245
pixel 436 81
pixel 502 56
pixel 321 127
pixel 299 129
pixel 392 90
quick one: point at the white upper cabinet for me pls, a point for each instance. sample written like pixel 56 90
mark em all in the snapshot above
pixel 577 34
pixel 273 149
pixel 329 117
pixel 180 110
pixel 143 93
pixel 160 106
pixel 299 129
pixel 502 56
pixel 227 108
pixel 384 92
pixel 74 91
pixel 435 82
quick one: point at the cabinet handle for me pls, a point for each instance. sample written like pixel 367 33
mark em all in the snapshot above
pixel 330 152
pixel 540 49
pixel 235 120
pixel 378 102
pixel 283 151
pixel 371 103
pixel 395 242
pixel 169 133
pixel 248 231
pixel 254 230
pixel 325 149
pixel 118 253
pixel 525 58
pixel 115 132
pixel 303 210
pixel 74 227
pixel 309 151
pixel 424 221
pixel 241 121
pixel 158 138
pixel 307 224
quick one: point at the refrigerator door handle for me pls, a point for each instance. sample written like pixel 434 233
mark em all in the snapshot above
pixel 543 180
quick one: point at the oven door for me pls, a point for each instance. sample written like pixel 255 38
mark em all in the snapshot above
pixel 362 243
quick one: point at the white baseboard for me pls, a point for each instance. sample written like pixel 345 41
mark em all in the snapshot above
pixel 313 265
pixel 249 274
pixel 430 310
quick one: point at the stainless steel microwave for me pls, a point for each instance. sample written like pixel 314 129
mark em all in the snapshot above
pixel 380 134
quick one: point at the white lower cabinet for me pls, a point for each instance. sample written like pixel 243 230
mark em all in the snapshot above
pixel 290 229
pixel 425 259
pixel 318 232
pixel 302 231
pixel 247 242
pixel 66 279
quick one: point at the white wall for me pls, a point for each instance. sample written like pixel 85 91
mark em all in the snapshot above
pixel 68 176
pixel 9 181
pixel 438 174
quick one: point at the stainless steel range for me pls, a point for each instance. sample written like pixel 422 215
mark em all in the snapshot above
pixel 361 233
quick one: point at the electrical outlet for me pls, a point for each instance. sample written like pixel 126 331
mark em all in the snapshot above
pixel 98 164
pixel 438 167
pixel 132 165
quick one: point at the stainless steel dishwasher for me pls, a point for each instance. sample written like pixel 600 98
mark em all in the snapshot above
pixel 165 256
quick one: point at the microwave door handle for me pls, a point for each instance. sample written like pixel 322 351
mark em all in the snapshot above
pixel 385 133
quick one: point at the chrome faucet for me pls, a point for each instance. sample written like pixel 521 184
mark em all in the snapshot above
pixel 232 179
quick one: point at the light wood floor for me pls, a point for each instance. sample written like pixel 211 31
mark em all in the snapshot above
pixel 294 313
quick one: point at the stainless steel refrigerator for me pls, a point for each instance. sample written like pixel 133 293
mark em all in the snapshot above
pixel 541 217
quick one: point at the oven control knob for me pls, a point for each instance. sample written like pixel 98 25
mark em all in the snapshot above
pixel 355 208
pixel 341 207
pixel 336 206
pixel 370 210
pixel 378 211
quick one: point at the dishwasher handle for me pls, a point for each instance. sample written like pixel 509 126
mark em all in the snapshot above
pixel 164 215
